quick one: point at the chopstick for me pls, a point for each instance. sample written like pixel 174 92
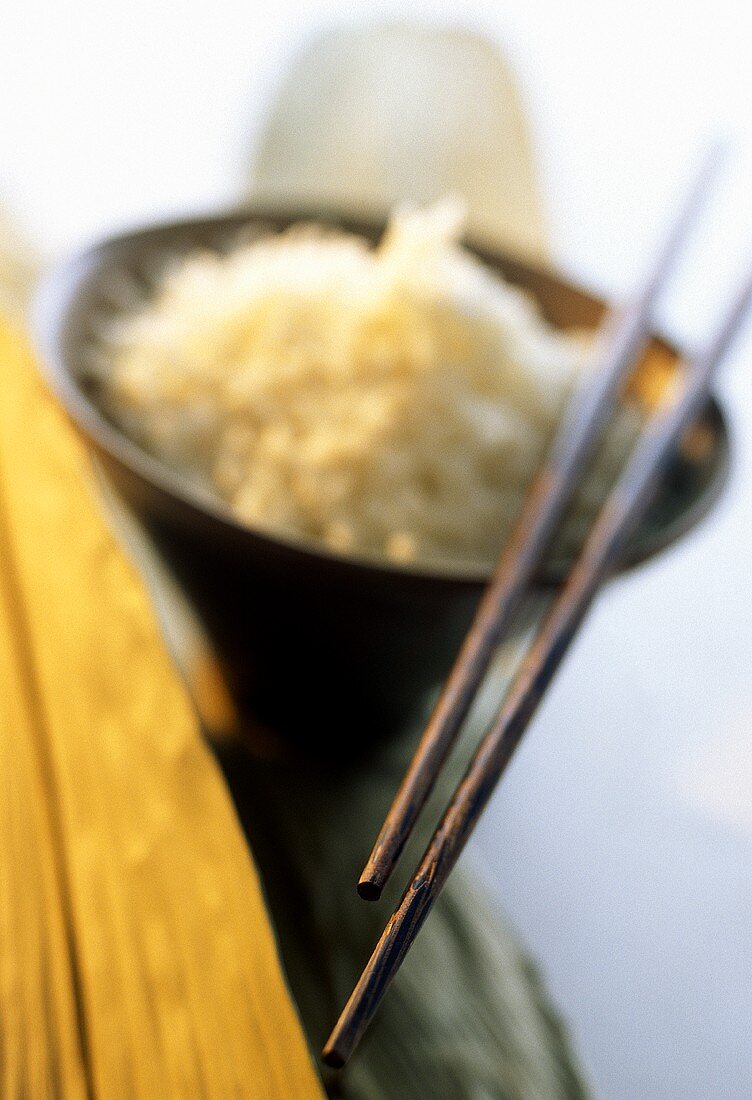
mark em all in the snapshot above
pixel 624 509
pixel 623 337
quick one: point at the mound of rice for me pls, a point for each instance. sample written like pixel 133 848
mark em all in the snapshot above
pixel 384 401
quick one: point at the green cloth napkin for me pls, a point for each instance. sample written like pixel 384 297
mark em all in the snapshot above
pixel 467 1016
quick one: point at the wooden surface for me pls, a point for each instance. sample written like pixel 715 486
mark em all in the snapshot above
pixel 136 955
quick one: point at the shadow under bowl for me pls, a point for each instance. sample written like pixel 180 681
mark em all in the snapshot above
pixel 330 652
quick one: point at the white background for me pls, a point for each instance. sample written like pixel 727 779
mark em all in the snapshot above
pixel 621 843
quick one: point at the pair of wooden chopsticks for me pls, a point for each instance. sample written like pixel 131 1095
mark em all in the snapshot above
pixel 626 335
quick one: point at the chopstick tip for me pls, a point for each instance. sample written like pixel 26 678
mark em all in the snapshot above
pixel 332 1056
pixel 370 888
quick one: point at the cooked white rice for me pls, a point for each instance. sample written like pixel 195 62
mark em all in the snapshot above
pixel 391 401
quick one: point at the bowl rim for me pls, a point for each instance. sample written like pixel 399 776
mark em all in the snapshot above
pixel 60 292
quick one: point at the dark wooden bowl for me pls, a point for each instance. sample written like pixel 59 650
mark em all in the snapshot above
pixel 322 648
